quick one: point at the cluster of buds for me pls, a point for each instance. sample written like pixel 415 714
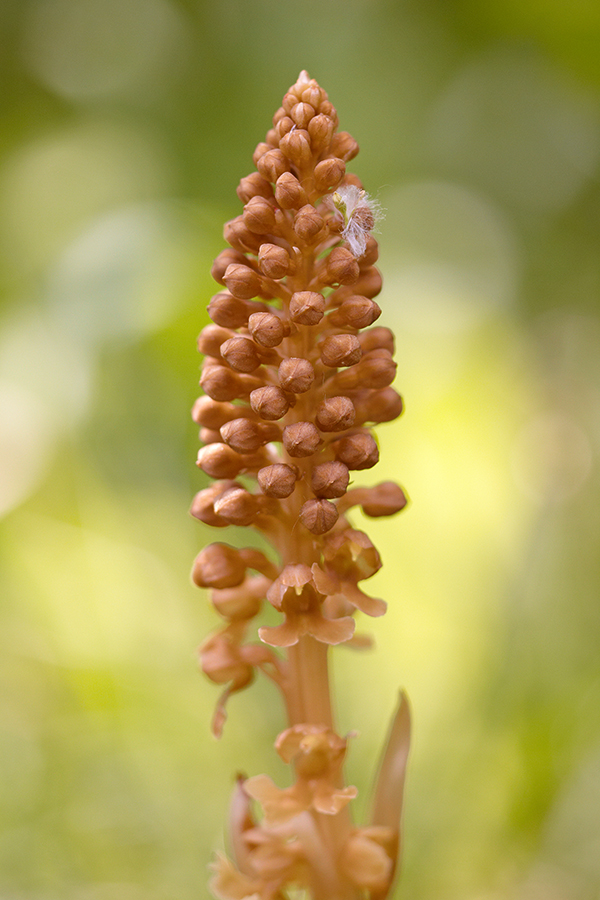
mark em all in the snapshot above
pixel 295 374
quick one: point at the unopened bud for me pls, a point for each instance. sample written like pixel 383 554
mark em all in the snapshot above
pixel 203 504
pixel 358 451
pixel 296 374
pixel 342 267
pixel 241 353
pixel 319 516
pixel 355 312
pixel 269 402
pixel 277 480
pixel 219 461
pixel 301 439
pixel 260 151
pixel 226 258
pixel 383 499
pixel 246 436
pixel 220 383
pixel 218 566
pixel 329 173
pixel 340 350
pixel 242 281
pixel 254 185
pixel 321 129
pixel 313 94
pixel 369 282
pixel 284 125
pixel 273 261
pixel 259 216
pixel 371 254
pixel 230 312
pixel 210 339
pixel 330 479
pixel 308 223
pixel 267 329
pixel 237 233
pixel 380 406
pixel 335 414
pixel 272 164
pixel 307 307
pixel 237 506
pixel 212 414
pixel 378 338
pixel 289 193
pixel 301 114
pixel 243 601
pixel 375 370
pixel 289 101
pixel 296 147
pixel 344 146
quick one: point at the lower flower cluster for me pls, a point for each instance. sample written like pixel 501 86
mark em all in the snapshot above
pixel 295 375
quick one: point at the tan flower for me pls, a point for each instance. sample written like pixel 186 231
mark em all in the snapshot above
pixel 295 594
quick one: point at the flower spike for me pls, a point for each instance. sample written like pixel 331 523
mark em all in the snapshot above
pixel 294 376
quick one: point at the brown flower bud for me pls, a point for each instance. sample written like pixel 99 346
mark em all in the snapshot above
pixel 335 414
pixel 272 137
pixel 378 338
pixel 212 413
pixel 243 601
pixel 329 173
pixel 330 479
pixel 272 164
pixel 301 439
pixel 284 125
pixel 340 350
pixel 342 267
pixel 278 480
pixel 308 223
pixel 237 506
pixel 219 461
pixel 218 566
pixel 321 129
pixel 289 101
pixel 357 451
pixel 210 339
pixel 296 147
pixel 254 185
pixel 343 145
pixel 224 259
pixel 371 254
pixel 203 504
pixel 267 329
pixel 209 435
pixel 289 193
pixel 296 374
pixel 307 307
pixel 355 312
pixel 269 402
pixel 273 261
pixel 230 312
pixel 319 516
pixel 242 281
pixel 369 282
pixel 383 499
pixel 379 406
pixel 246 436
pixel 260 151
pixel 220 383
pixel 237 233
pixel 241 353
pixel 313 94
pixel 328 109
pixel 375 370
pixel 301 114
pixel 259 216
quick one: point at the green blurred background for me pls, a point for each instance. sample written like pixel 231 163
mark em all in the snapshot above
pixel 126 127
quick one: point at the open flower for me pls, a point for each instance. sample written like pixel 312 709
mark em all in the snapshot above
pixel 296 594
pixel 318 754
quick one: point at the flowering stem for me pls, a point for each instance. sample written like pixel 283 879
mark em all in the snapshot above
pixel 293 379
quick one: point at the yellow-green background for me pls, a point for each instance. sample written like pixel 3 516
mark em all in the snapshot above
pixel 126 125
